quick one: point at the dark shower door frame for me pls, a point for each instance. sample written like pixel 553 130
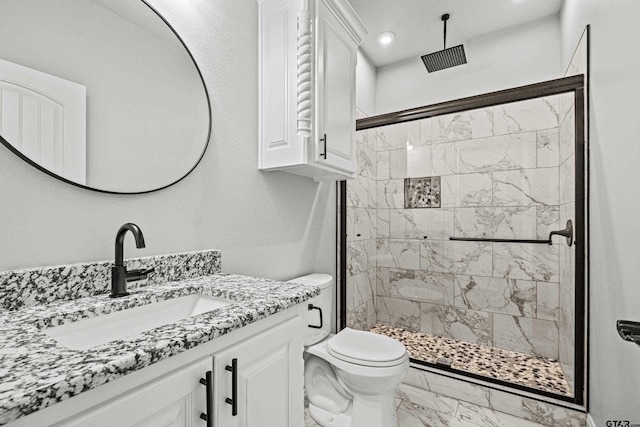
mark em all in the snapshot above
pixel 575 84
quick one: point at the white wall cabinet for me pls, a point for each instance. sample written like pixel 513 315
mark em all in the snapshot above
pixel 268 392
pixel 308 52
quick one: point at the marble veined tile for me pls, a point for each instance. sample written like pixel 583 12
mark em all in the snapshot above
pixel 505 152
pixel 398 163
pixel 548 219
pixel 472 258
pixel 517 222
pixel 526 187
pixel 466 190
pixel 360 288
pixel 417 285
pixel 474 222
pixel 366 160
pixel 526 261
pixel 357 318
pixel 361 192
pixel 497 295
pixel 531 336
pixel 432 256
pixel 382 165
pixel 431 160
pixel 536 411
pixel 409 223
pixel 382 282
pixel 462 125
pixel 567 135
pixel 446 386
pixel 398 312
pixel 548 301
pixel 548 148
pixel 390 194
pixel 357 257
pixel 521 116
pixel 360 224
pixel 427 399
pixel 413 415
pixel 457 323
pixel 398 253
pixel 482 416
pixel 567 180
pixel 396 136
pixel 382 230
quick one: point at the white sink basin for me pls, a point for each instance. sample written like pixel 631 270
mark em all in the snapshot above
pixel 87 333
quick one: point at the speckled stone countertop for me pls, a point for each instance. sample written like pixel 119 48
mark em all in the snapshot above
pixel 37 372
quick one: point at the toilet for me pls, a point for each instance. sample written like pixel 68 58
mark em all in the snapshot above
pixel 350 378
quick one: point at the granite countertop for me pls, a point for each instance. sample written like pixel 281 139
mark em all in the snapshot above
pixel 37 372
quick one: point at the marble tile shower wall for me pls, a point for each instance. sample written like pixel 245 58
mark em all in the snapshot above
pixel 361 235
pixel 500 174
pixel 566 315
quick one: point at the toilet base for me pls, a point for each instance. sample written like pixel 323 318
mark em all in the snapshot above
pixel 329 419
pixel 366 411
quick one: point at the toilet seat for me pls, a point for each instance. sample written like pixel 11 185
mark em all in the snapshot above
pixel 366 348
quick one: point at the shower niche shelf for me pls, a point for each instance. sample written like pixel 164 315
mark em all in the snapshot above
pixel 307 65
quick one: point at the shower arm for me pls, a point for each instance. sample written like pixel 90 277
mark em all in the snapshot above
pixel 445 18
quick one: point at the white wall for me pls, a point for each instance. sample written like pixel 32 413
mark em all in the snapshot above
pixel 513 57
pixel 614 229
pixel 365 85
pixel 268 224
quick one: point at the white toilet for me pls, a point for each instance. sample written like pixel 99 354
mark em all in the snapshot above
pixel 350 377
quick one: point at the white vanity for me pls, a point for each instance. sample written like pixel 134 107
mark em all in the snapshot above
pixel 159 376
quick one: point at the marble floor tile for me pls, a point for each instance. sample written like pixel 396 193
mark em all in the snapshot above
pixel 489 418
pixel 537 411
pixel 517 368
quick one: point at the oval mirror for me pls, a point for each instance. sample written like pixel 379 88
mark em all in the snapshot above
pixel 100 93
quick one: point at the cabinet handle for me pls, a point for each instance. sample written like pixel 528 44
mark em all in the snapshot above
pixel 207 383
pixel 324 139
pixel 313 307
pixel 233 401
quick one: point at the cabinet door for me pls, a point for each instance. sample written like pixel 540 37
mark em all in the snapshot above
pixel 335 100
pixel 177 400
pixel 269 386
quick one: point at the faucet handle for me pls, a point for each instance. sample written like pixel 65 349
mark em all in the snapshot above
pixel 135 275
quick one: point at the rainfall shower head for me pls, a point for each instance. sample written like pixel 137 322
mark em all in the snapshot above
pixel 445 58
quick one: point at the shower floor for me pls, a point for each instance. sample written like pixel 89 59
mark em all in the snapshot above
pixel 510 366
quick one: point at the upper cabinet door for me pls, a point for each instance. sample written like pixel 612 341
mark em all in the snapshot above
pixel 335 92
pixel 308 52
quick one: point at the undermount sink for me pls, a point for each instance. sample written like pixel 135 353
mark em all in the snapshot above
pixel 87 333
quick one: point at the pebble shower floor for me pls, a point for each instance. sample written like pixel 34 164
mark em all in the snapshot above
pixel 517 368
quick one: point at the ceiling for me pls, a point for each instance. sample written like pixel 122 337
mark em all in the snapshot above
pixel 418 27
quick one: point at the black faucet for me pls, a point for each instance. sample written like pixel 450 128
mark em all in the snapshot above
pixel 119 274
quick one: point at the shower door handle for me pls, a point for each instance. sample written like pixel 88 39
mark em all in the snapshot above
pixel 566 232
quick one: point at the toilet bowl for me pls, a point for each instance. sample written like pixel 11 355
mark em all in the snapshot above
pixel 350 377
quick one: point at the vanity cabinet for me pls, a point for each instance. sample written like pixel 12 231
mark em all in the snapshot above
pixel 175 400
pixel 308 51
pixel 264 385
pixel 268 390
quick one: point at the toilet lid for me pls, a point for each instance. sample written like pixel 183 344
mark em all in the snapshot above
pixel 365 348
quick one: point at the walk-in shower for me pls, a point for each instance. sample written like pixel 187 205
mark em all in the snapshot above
pixel 457 236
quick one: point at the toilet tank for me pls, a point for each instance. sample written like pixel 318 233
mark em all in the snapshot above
pixel 319 313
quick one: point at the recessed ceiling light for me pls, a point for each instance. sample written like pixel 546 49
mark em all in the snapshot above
pixel 386 37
